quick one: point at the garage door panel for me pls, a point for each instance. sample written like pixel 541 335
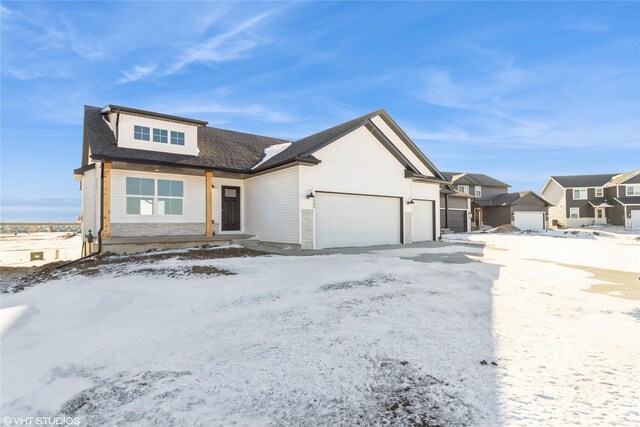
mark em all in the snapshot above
pixel 525 220
pixel 344 220
pixel 458 221
pixel 422 220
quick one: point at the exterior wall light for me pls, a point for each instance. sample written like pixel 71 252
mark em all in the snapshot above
pixel 410 201
pixel 310 195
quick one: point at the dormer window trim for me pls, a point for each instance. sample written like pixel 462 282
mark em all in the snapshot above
pixel 160 135
pixel 141 133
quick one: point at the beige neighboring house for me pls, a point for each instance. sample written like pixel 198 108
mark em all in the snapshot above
pixel 581 200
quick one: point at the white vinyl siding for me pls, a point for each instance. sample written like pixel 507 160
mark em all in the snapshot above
pixel 273 206
pixel 402 147
pixel 90 203
pixel 574 213
pixel 579 194
pixel 140 132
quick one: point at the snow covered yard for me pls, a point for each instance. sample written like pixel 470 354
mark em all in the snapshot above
pixel 15 250
pixel 391 336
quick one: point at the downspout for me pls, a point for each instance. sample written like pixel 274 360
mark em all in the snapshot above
pixel 75 261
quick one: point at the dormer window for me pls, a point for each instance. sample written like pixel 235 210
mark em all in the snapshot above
pixel 141 133
pixel 160 135
pixel 177 138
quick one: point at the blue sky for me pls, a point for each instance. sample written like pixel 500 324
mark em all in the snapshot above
pixel 517 90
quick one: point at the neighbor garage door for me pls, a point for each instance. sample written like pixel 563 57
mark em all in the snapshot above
pixel 344 220
pixel 635 220
pixel 422 220
pixel 529 220
pixel 458 221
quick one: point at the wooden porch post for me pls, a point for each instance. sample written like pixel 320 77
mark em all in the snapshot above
pixel 106 200
pixel 208 226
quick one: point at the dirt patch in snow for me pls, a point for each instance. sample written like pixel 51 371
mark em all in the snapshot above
pixel 506 228
pixel 111 263
pixel 375 280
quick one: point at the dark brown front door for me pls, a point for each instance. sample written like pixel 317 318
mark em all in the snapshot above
pixel 230 208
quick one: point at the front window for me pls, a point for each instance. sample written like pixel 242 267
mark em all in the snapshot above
pixel 580 194
pixel 141 133
pixel 140 196
pixel 633 190
pixel 177 138
pixel 599 192
pixel 160 135
pixel 463 189
pixel 478 191
pixel 146 196
pixel 170 197
pixel 574 213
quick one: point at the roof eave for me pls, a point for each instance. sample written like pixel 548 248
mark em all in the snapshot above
pixel 121 109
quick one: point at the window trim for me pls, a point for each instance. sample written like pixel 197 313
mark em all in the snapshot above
pixel 460 189
pixel 601 190
pixel 178 137
pixel 160 136
pixel 571 210
pixel 632 186
pixel 155 198
pixel 586 193
pixel 478 191
pixel 144 131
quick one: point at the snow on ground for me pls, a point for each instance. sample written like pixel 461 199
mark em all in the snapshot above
pixel 392 336
pixel 15 250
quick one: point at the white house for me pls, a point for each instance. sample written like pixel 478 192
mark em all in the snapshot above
pixel 154 178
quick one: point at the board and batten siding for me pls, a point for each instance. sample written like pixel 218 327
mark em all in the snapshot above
pixel 191 222
pixel 272 212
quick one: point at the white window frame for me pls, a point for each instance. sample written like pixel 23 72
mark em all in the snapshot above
pixel 478 191
pixel 599 190
pixel 586 193
pixel 144 131
pixel 572 211
pixel 463 189
pixel 155 198
pixel 635 190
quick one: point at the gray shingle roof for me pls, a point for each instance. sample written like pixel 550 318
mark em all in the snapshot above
pixel 228 150
pixel 475 179
pixel 569 181
pixel 631 200
pixel 507 199
pixel 219 148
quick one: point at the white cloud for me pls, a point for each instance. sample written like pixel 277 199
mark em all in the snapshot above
pixel 136 73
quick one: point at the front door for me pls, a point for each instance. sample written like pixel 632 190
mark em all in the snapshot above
pixel 600 216
pixel 230 208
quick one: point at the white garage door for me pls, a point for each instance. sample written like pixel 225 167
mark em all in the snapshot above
pixel 344 220
pixel 422 220
pixel 529 220
pixel 635 220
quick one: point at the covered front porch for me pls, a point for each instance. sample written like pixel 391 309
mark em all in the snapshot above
pixel 600 211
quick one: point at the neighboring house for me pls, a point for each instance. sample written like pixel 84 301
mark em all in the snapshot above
pixel 150 177
pixel 493 205
pixel 581 200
